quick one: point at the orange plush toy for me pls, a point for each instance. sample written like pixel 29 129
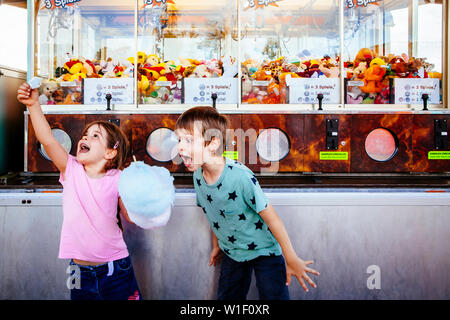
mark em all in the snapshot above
pixel 364 55
pixel 373 78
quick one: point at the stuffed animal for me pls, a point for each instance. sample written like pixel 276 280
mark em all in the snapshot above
pixel 202 71
pixel 246 82
pixel 364 55
pixel 354 95
pixel 152 60
pixel 46 91
pixel 230 67
pixel 147 193
pixel 373 79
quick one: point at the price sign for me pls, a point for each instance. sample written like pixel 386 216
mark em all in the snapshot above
pixel 409 91
pixel 199 90
pixel 305 90
pixel 95 90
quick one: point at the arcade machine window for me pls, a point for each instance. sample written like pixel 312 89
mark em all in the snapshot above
pixel 273 144
pixel 381 145
pixel 162 145
pixel 62 137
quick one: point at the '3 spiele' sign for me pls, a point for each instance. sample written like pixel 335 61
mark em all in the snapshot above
pixel 51 4
pixel 260 3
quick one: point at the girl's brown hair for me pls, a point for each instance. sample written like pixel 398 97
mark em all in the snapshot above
pixel 208 119
pixel 115 139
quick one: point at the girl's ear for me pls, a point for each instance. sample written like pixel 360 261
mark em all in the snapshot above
pixel 110 154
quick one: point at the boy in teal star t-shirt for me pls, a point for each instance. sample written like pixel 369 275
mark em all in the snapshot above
pixel 245 226
pixel 231 205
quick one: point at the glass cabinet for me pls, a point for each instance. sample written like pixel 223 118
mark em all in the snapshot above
pixel 153 53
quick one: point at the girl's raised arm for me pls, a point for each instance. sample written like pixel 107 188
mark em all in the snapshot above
pixel 30 98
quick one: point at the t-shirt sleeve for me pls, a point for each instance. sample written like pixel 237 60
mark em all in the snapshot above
pixel 71 162
pixel 254 197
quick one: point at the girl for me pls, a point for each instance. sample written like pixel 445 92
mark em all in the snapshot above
pixel 90 234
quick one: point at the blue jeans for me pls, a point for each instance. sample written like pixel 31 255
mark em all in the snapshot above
pixel 113 281
pixel 270 274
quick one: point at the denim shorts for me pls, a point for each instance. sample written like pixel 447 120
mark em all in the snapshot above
pixel 110 281
pixel 270 274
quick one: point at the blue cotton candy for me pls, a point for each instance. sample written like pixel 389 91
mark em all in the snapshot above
pixel 146 191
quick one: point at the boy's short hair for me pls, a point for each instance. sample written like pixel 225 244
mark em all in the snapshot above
pixel 208 120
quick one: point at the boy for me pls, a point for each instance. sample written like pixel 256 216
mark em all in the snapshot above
pixel 245 226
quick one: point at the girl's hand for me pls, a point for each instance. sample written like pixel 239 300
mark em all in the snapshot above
pixel 298 268
pixel 27 96
pixel 215 257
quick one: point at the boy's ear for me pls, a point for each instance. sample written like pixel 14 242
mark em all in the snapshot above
pixel 110 154
pixel 214 144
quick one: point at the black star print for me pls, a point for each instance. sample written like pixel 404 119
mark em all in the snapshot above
pixel 259 225
pixel 204 210
pixel 242 217
pixel 272 254
pixel 208 197
pixel 232 195
pixel 254 180
pixel 226 251
pixel 216 225
pixel 253 201
pixel 222 213
pixel 232 239
pixel 265 206
pixel 198 182
pixel 218 186
pixel 231 167
pixel 252 246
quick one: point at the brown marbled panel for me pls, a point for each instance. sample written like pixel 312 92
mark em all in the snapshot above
pixel 291 124
pixel 126 124
pixel 398 123
pixel 72 124
pixel 315 142
pixel 143 126
pixel 232 139
pixel 423 142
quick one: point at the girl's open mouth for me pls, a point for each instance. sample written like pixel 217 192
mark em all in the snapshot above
pixel 84 148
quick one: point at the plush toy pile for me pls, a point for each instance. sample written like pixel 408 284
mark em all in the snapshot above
pixel 371 74
pixel 266 82
pixel 147 193
pixel 159 82
pixel 65 88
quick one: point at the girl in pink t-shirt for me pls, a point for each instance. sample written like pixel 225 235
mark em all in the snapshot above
pixel 90 234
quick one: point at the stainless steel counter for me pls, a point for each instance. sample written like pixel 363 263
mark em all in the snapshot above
pixel 360 239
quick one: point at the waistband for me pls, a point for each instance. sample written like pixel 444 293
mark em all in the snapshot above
pixel 107 267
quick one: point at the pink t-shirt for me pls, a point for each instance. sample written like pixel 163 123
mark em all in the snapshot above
pixel 89 230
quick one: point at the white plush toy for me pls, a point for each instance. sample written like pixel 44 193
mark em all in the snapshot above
pixel 148 194
pixel 230 67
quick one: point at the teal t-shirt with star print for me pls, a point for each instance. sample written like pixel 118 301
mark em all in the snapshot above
pixel 232 206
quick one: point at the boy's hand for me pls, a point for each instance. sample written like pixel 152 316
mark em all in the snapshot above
pixel 298 268
pixel 215 257
pixel 27 96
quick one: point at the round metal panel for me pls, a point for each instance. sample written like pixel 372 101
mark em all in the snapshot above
pixel 162 145
pixel 381 145
pixel 273 144
pixel 62 137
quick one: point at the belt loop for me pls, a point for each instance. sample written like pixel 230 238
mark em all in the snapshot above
pixel 110 268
